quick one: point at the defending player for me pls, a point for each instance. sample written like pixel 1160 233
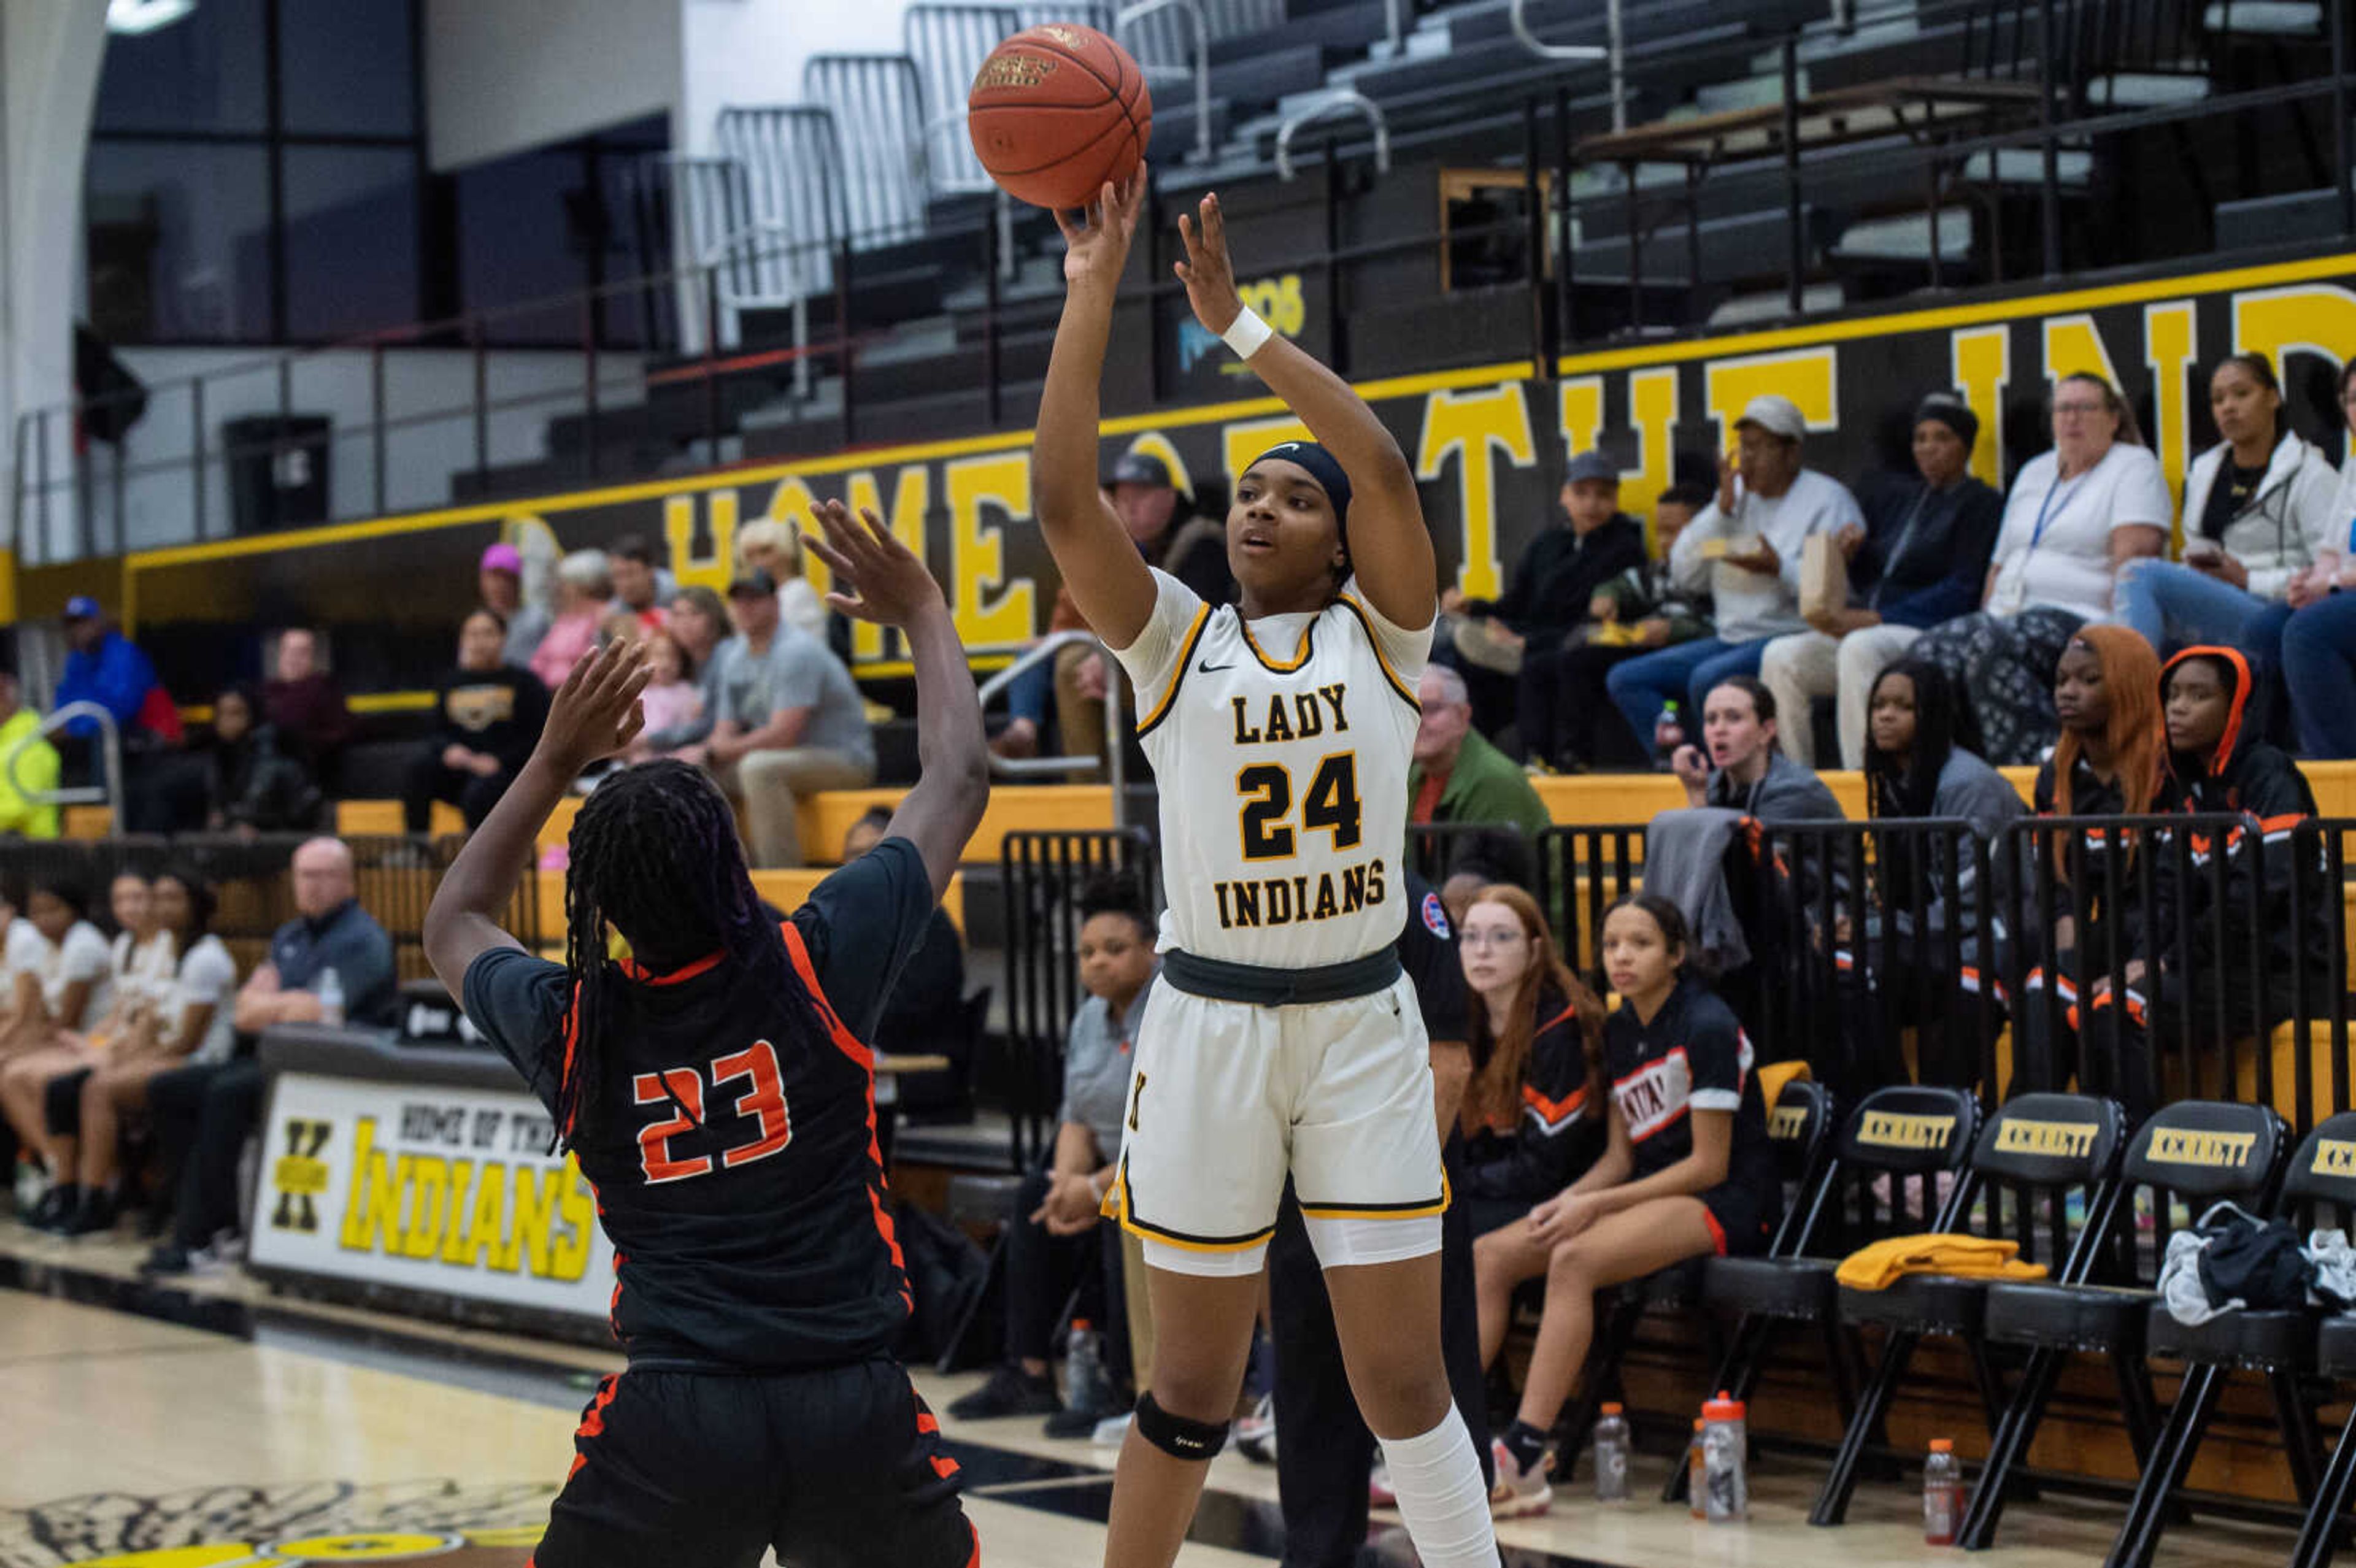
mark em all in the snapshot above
pixel 1284 1035
pixel 718 1092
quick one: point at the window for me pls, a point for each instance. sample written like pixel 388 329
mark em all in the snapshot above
pixel 206 73
pixel 179 242
pixel 350 239
pixel 346 68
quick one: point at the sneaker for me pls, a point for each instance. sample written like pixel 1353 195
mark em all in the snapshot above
pixel 1519 1492
pixel 170 1260
pixel 56 1208
pixel 1078 1420
pixel 1255 1433
pixel 1011 1390
pixel 94 1216
pixel 1378 1488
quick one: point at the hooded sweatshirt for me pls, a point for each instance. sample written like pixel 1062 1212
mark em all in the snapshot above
pixel 2257 781
pixel 2277 532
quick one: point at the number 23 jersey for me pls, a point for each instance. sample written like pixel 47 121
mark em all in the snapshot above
pixel 1281 748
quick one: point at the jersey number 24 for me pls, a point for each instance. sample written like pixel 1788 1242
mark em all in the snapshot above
pixel 1332 804
pixel 682 1088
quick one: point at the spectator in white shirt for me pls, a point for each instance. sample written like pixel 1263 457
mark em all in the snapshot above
pixel 2257 510
pixel 2076 516
pixel 1745 548
pixel 65 986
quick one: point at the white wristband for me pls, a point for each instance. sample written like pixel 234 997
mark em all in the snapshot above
pixel 1247 333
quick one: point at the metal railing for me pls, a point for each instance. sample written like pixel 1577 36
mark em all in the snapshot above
pixel 1340 101
pixel 1615 52
pixel 1131 15
pixel 1115 761
pixel 107 792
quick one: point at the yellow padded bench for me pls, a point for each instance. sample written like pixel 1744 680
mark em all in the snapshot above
pixel 789 890
pixel 1013 808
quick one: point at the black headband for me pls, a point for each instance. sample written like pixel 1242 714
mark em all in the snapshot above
pixel 1321 467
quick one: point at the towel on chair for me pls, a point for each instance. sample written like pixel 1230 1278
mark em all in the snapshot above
pixel 1885 1262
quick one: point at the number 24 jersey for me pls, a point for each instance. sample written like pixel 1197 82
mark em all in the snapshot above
pixel 1281 748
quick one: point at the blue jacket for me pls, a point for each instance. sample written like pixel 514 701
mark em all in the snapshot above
pixel 117 676
pixel 1926 556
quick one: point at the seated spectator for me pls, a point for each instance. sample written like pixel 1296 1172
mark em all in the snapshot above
pixel 1535 1031
pixel 141 957
pixel 2107 763
pixel 65 985
pixel 104 666
pixel 2171 992
pixel 584 587
pixel 1739 767
pixel 490 718
pixel 1457 775
pixel 776 548
pixel 2257 509
pixel 790 722
pixel 499 583
pixel 925 1011
pixel 2320 692
pixel 1575 726
pixel 1062 1241
pixel 698 624
pixel 2076 516
pixel 204 1110
pixel 1919 764
pixel 305 705
pixel 1688 1172
pixel 1745 547
pixel 642 585
pixel 35 771
pixel 1918 562
pixel 187 1019
pixel 1523 636
pixel 673 703
pixel 251 785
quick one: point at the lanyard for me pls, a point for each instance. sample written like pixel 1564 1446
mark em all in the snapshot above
pixel 2047 511
pixel 1898 546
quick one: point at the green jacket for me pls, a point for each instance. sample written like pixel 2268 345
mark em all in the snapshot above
pixel 1485 786
pixel 36 770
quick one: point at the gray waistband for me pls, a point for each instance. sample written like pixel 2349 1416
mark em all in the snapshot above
pixel 1266 987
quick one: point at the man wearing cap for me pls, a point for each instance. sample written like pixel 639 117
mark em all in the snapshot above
pixel 499 581
pixel 1525 632
pixel 1921 560
pixel 104 666
pixel 35 770
pixel 790 721
pixel 1745 548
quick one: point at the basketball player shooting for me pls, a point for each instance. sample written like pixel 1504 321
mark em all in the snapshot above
pixel 717 1090
pixel 1284 1036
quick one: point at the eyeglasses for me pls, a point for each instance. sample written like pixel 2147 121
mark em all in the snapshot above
pixel 2077 408
pixel 1493 939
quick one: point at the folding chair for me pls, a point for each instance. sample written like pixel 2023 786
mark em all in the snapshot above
pixel 2323 1175
pixel 2033 1156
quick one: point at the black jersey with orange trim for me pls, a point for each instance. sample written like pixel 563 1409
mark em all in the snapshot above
pixel 1539 1142
pixel 1693 1056
pixel 731 1142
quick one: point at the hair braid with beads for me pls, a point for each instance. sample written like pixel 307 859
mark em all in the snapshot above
pixel 654 855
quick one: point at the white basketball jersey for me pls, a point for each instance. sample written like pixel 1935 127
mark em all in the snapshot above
pixel 1281 748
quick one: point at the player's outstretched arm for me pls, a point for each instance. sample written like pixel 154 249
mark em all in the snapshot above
pixel 594 714
pixel 888 585
pixel 1390 548
pixel 1109 580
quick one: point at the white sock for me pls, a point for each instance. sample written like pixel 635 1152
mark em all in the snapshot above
pixel 1437 1477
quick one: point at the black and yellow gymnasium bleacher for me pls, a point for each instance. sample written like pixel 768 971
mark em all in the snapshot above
pixel 1525 230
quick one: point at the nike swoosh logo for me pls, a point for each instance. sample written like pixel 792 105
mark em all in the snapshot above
pixel 1209 668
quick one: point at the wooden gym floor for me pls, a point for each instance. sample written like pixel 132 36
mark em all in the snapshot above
pixel 187 1427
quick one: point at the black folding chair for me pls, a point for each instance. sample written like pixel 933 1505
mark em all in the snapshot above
pixel 1802 1126
pixel 2030 1159
pixel 2280 1345
pixel 2323 1176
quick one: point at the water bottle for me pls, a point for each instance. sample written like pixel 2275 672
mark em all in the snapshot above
pixel 1724 1452
pixel 1943 1494
pixel 1611 1456
pixel 1668 734
pixel 1084 1373
pixel 331 998
pixel 1696 1473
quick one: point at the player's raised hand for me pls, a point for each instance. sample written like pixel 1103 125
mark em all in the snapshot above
pixel 1209 271
pixel 885 582
pixel 1097 247
pixel 596 712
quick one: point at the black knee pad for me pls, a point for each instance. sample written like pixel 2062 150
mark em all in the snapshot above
pixel 1177 1436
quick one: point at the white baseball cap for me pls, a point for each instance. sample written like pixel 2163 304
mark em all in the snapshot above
pixel 1776 416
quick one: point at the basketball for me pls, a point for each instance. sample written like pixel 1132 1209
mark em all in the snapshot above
pixel 1056 111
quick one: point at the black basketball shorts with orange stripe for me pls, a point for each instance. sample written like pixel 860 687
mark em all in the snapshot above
pixel 835 1468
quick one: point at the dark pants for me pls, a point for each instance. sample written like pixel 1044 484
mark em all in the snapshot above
pixel 428 780
pixel 203 1115
pixel 165 792
pixel 1324 1450
pixel 1042 1272
pixel 1564 710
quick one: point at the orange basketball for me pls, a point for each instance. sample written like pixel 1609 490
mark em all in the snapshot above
pixel 1056 111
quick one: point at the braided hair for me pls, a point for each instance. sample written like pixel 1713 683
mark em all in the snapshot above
pixel 654 856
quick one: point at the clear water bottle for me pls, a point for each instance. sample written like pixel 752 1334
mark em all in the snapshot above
pixel 1725 1452
pixel 1611 1456
pixel 1697 1472
pixel 1943 1494
pixel 1084 1372
pixel 331 998
pixel 1668 734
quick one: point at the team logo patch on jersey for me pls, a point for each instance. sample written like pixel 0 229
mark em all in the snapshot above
pixel 1435 916
pixel 1655 1096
